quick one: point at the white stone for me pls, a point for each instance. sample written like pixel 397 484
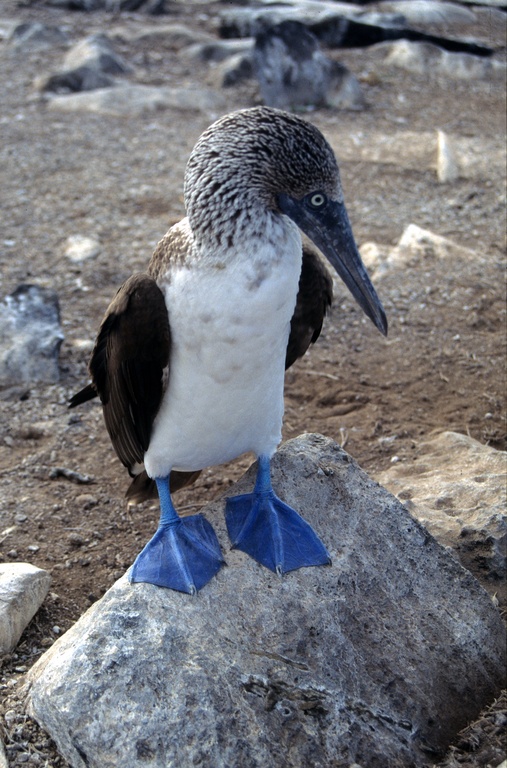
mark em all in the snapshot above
pixel 23 588
pixel 447 164
pixel 80 248
pixel 378 658
pixel 414 247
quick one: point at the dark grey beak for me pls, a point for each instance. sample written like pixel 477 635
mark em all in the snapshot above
pixel 328 226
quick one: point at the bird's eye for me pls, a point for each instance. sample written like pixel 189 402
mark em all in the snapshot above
pixel 317 200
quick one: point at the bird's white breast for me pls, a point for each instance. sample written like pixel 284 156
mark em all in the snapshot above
pixel 230 323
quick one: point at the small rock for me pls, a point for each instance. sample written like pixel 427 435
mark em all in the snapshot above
pixel 80 248
pixel 33 35
pixel 23 588
pixel 447 164
pixel 30 336
pixel 86 500
pixel 89 65
pixel 80 79
pixel 219 50
pixel 232 71
pixel 96 52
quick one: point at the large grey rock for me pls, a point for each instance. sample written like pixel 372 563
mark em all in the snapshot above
pixel 456 487
pixel 377 659
pixel 30 336
pixel 23 588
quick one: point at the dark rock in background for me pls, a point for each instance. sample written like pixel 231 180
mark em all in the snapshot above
pixel 340 30
pixel 34 35
pixel 293 72
pixel 90 64
pixel 30 336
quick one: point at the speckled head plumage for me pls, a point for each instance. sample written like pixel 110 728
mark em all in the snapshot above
pixel 243 161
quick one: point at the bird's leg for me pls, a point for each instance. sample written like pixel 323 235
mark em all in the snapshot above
pixel 270 531
pixel 184 554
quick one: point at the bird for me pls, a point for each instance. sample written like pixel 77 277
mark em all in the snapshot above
pixel 190 357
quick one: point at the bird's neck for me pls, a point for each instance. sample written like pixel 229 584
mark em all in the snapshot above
pixel 240 233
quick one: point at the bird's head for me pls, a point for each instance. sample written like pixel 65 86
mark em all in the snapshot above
pixel 263 159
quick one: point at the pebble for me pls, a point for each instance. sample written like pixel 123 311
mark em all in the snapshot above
pixel 86 500
pixel 80 248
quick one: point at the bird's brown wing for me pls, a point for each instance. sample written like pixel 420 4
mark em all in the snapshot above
pixel 128 365
pixel 314 297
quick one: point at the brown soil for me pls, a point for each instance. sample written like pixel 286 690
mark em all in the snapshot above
pixel 120 180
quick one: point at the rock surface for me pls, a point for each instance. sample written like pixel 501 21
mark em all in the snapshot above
pixel 30 336
pixel 430 12
pixel 23 588
pixel 126 99
pixel 90 64
pixel 35 36
pixel 376 660
pixel 293 72
pixel 428 59
pixel 456 487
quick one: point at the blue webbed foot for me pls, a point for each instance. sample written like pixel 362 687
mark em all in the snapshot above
pixel 184 554
pixel 270 531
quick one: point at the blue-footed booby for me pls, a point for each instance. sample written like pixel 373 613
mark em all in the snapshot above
pixel 189 360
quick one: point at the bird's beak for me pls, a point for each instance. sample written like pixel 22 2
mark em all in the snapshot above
pixel 329 228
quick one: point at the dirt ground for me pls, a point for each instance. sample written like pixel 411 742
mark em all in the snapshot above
pixel 120 180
